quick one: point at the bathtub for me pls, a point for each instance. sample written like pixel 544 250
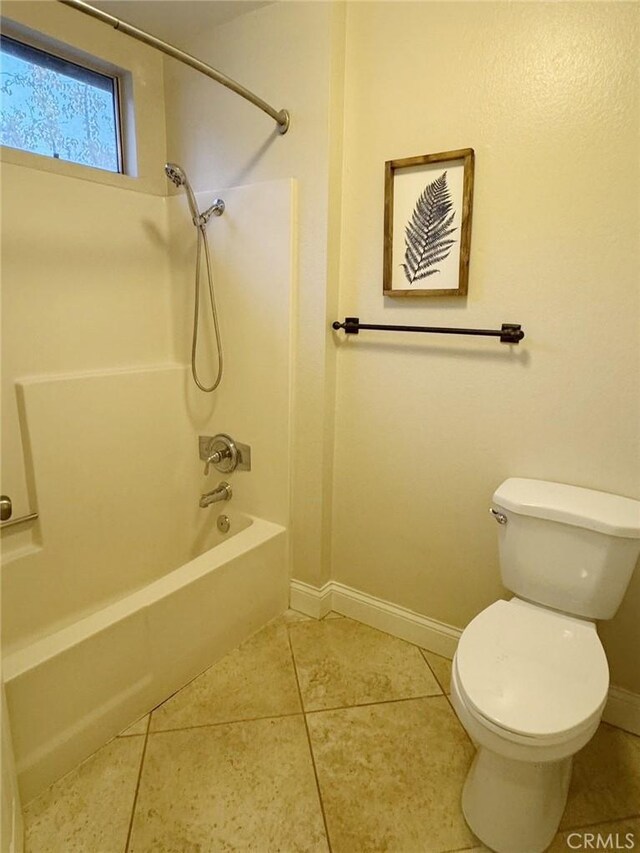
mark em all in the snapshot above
pixel 71 691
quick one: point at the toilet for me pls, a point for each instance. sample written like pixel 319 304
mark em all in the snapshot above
pixel 530 676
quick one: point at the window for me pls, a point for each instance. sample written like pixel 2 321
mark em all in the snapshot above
pixel 57 108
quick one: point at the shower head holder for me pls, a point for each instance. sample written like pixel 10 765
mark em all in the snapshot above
pixel 216 209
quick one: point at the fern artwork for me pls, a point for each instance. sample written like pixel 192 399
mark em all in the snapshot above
pixel 428 239
pixel 427 224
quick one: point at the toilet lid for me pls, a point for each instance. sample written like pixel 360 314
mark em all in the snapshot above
pixel 532 671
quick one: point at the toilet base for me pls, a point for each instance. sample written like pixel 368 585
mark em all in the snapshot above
pixel 515 806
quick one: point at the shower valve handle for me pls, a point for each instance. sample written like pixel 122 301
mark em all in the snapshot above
pixel 216 457
pixel 220 451
pixel 224 453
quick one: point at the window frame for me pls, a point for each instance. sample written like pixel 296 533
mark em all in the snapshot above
pixel 40 43
pixel 141 71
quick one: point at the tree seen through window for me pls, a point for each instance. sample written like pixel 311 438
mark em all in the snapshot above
pixel 54 107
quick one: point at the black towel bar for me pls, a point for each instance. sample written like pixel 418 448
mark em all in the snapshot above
pixel 509 333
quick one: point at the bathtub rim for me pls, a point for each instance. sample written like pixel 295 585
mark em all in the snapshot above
pixel 40 651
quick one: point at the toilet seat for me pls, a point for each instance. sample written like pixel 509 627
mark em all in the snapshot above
pixel 532 674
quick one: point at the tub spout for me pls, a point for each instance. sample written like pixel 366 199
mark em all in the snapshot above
pixel 221 493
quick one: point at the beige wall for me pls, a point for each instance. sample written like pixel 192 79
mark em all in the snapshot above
pixel 291 55
pixel 425 429
pixel 547 95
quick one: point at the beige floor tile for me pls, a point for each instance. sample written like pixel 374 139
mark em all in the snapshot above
pixel 138 728
pixel 89 809
pixel 333 615
pixel 620 835
pixel 605 784
pixel 256 680
pixel 441 668
pixel 341 662
pixel 242 786
pixel 391 776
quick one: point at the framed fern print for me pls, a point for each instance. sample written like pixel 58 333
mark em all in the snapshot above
pixel 427 224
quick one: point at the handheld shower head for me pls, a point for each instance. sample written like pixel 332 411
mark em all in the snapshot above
pixel 178 176
pixel 175 174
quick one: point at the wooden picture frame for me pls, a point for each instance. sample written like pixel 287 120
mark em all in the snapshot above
pixel 428 203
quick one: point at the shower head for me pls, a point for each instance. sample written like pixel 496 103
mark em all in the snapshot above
pixel 175 174
pixel 178 176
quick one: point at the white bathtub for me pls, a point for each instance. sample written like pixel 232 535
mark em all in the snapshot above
pixel 73 690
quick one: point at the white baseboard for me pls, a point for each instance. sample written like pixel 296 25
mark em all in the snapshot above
pixel 309 599
pixel 399 621
pixel 622 708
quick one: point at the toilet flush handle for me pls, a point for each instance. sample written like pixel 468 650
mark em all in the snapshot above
pixel 500 517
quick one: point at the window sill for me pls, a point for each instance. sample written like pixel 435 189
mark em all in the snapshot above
pixel 148 185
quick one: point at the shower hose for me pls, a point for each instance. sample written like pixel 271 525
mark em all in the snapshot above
pixel 202 239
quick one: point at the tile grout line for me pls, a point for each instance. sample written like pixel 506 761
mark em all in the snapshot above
pixel 224 723
pixel 135 796
pixel 447 696
pixel 431 670
pixel 290 714
pixel 375 702
pixel 311 755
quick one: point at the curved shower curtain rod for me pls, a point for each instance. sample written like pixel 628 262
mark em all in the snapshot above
pixel 280 116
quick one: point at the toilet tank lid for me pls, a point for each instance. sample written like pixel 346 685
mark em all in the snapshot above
pixel 601 511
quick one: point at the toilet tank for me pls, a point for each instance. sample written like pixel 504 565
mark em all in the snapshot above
pixel 565 547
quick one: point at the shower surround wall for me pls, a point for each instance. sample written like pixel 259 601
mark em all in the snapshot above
pixel 101 424
pixel 298 66
pixel 252 246
pixel 85 290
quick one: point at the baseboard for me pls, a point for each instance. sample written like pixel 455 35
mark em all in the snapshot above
pixel 309 599
pixel 383 615
pixel 622 708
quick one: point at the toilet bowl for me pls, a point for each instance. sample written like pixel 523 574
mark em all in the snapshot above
pixel 529 685
pixel 530 676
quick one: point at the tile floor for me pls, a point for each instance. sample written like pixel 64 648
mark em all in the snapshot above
pixel 312 736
